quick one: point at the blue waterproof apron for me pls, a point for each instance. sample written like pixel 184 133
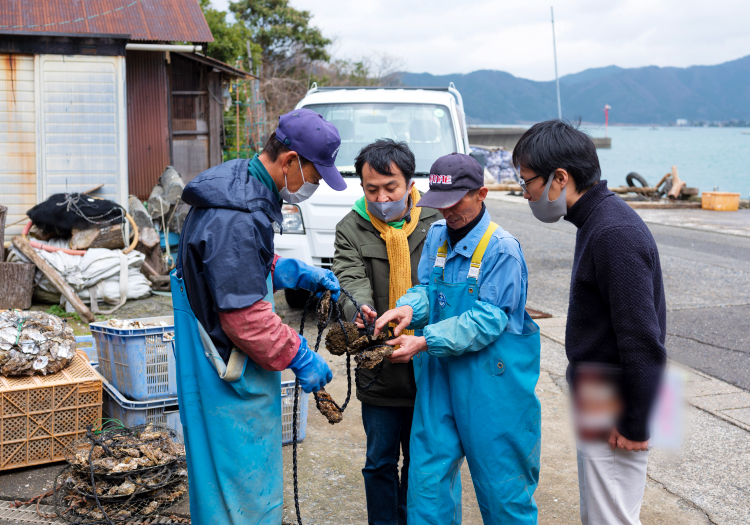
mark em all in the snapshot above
pixel 480 405
pixel 231 425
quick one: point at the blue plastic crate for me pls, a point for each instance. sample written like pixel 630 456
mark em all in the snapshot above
pixel 164 411
pixel 138 362
pixel 167 411
pixel 90 350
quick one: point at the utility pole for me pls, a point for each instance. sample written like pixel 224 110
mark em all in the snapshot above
pixel 554 50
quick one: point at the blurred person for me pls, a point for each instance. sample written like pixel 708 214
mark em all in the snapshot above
pixel 378 246
pixel 616 315
pixel 476 361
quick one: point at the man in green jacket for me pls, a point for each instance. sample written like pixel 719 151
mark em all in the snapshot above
pixel 378 246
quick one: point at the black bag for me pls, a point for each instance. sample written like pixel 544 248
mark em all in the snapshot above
pixel 64 212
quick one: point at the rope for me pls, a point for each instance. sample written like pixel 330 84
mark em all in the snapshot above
pixel 333 312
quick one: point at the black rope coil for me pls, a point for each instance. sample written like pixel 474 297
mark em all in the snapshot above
pixel 335 313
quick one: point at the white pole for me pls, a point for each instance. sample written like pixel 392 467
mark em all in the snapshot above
pixel 554 49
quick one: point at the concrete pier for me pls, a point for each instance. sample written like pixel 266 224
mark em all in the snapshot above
pixel 507 138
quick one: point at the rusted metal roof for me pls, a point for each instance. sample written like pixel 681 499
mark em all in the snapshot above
pixel 143 20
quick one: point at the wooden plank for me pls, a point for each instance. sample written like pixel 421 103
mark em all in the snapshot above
pixel 503 187
pixel 674 205
pixel 55 278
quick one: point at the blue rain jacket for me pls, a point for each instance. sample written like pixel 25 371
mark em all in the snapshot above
pixel 503 284
pixel 229 242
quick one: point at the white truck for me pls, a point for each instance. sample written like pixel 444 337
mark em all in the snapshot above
pixel 430 120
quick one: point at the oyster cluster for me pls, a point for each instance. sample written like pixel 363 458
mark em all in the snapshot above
pixel 132 323
pixel 113 489
pixel 34 343
pixel 151 447
pixel 328 407
pixel 342 338
pixel 367 351
pixel 121 501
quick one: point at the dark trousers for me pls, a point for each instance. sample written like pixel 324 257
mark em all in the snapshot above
pixel 388 430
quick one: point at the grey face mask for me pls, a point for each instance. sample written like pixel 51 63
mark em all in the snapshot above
pixel 549 211
pixel 389 211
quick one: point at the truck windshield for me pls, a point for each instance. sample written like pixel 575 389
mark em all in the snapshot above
pixel 427 128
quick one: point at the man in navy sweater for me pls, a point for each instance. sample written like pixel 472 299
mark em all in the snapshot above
pixel 617 309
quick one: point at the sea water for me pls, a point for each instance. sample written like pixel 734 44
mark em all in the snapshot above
pixel 706 158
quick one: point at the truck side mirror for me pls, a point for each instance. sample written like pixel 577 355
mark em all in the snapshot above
pixel 479 157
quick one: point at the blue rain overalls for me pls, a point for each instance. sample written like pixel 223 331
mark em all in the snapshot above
pixel 480 405
pixel 231 420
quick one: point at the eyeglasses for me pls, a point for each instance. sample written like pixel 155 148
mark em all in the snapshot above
pixel 521 182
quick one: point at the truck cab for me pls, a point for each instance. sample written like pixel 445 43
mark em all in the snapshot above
pixel 430 120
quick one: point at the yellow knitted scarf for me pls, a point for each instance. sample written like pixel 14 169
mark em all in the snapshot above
pixel 397 245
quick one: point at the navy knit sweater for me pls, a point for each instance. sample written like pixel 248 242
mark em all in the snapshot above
pixel 617 312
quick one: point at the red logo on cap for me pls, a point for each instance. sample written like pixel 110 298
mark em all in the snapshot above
pixel 440 179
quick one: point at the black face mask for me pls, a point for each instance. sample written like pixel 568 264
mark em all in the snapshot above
pixel 457 236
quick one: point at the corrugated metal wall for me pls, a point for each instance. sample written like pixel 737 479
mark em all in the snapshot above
pixel 148 120
pixel 18 189
pixel 82 134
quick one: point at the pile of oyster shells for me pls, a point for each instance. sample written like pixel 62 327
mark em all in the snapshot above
pixel 34 343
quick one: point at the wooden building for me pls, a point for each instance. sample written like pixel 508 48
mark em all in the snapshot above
pixel 93 93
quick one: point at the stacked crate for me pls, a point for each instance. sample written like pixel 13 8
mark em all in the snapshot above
pixel 41 415
pixel 140 373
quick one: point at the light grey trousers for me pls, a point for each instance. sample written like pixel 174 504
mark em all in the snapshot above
pixel 610 484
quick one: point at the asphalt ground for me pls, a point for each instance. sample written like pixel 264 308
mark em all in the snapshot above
pixel 706 280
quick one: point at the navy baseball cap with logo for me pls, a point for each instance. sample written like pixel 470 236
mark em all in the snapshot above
pixel 451 178
pixel 316 139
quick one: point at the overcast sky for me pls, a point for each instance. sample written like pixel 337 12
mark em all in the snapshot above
pixel 447 36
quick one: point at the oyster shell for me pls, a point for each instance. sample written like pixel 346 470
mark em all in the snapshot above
pixel 373 355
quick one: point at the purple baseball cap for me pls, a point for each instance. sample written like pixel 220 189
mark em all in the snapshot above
pixel 316 139
pixel 451 177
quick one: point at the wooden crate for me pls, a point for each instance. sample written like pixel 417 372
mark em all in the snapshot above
pixel 41 415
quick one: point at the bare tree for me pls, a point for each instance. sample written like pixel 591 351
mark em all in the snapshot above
pixel 285 81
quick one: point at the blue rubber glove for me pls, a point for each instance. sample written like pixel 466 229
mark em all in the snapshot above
pixel 311 369
pixel 294 274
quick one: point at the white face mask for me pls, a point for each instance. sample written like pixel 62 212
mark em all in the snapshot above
pixel 302 194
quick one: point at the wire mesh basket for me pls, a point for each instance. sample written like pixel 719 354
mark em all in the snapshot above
pixel 120 474
pixel 75 502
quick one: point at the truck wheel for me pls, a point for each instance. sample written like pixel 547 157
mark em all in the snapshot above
pixel 296 298
pixel 633 175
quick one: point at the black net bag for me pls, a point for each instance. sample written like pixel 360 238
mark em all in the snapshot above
pixel 64 212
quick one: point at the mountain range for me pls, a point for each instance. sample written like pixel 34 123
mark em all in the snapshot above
pixel 644 95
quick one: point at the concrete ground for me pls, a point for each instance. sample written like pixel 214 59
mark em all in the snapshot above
pixel 331 458
pixel 707 281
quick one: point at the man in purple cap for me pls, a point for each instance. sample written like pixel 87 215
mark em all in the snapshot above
pixel 476 359
pixel 230 345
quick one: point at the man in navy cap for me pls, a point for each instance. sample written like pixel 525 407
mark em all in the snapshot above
pixel 230 345
pixel 476 359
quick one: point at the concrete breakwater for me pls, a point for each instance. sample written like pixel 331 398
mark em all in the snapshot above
pixel 508 137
